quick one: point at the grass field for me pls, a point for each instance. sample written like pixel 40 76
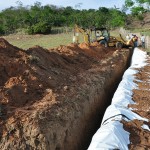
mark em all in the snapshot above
pixel 142 31
pixel 46 41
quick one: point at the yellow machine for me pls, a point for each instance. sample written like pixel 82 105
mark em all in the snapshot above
pixel 104 38
pixel 100 35
pixel 84 32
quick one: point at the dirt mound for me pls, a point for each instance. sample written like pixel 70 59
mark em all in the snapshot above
pixel 41 89
pixel 26 74
pixel 139 137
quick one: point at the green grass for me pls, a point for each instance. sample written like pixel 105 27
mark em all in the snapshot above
pixel 148 49
pixel 142 31
pixel 50 41
pixel 45 41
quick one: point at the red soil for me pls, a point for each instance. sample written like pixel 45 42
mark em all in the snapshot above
pixel 40 89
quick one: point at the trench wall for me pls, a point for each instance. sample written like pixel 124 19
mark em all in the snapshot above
pixel 111 134
pixel 84 119
pixel 99 99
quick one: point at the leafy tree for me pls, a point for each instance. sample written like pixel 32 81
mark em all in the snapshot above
pixel 138 7
pixel 40 19
pixel 117 18
pixel 129 3
pixel 138 10
pixel 2 31
pixel 142 5
pixel 41 27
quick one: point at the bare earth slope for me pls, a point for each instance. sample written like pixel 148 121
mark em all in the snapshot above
pixel 135 23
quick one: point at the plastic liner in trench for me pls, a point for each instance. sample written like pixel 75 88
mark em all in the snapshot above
pixel 111 134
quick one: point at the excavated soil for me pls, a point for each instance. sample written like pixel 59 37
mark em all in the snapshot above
pixel 139 137
pixel 51 99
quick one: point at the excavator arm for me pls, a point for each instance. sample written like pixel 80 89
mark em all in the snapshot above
pixel 85 34
pixel 127 43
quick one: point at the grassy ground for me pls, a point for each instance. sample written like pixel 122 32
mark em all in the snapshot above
pixel 148 50
pixel 142 31
pixel 49 41
pixel 45 41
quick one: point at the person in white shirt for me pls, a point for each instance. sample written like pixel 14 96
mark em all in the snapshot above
pixel 127 37
pixel 143 41
pixel 97 34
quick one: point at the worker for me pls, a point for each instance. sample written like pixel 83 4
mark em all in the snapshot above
pixel 143 41
pixel 127 37
pixel 135 40
pixel 97 34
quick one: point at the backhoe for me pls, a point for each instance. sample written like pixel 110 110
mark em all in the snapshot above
pixel 100 35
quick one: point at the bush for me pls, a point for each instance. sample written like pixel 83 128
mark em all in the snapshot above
pixel 2 31
pixel 140 17
pixel 30 30
pixel 40 28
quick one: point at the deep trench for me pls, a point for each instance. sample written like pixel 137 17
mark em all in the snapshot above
pixel 84 121
pixel 99 117
pixel 108 98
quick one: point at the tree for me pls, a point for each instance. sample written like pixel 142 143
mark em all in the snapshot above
pixel 138 7
pixel 117 18
pixel 40 19
pixel 129 3
pixel 141 4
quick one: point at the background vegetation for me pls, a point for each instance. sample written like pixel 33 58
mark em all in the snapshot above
pixel 39 19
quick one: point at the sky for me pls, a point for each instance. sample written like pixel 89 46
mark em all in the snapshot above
pixel 79 4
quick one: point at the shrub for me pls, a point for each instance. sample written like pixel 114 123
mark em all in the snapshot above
pixel 40 28
pixel 2 30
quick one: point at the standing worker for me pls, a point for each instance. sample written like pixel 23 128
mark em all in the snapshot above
pixel 135 40
pixel 143 41
pixel 127 37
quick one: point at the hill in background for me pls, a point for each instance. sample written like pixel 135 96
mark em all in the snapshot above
pixel 136 23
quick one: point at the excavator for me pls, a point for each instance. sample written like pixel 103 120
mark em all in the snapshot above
pixel 102 36
pixel 84 32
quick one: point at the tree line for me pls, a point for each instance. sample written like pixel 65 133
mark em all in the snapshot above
pixel 41 19
pixel 138 7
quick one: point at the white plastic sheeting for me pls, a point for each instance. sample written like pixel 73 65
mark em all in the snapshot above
pixel 108 135
pixel 145 127
pixel 111 134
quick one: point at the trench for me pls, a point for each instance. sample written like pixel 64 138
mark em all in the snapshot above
pixel 110 89
pixel 82 123
pixel 101 100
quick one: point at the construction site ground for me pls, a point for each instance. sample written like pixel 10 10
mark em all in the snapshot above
pixel 51 99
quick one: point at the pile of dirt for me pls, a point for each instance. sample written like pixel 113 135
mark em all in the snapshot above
pixel 25 75
pixel 140 137
pixel 43 92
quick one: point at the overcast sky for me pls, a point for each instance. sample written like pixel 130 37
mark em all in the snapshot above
pixel 80 4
